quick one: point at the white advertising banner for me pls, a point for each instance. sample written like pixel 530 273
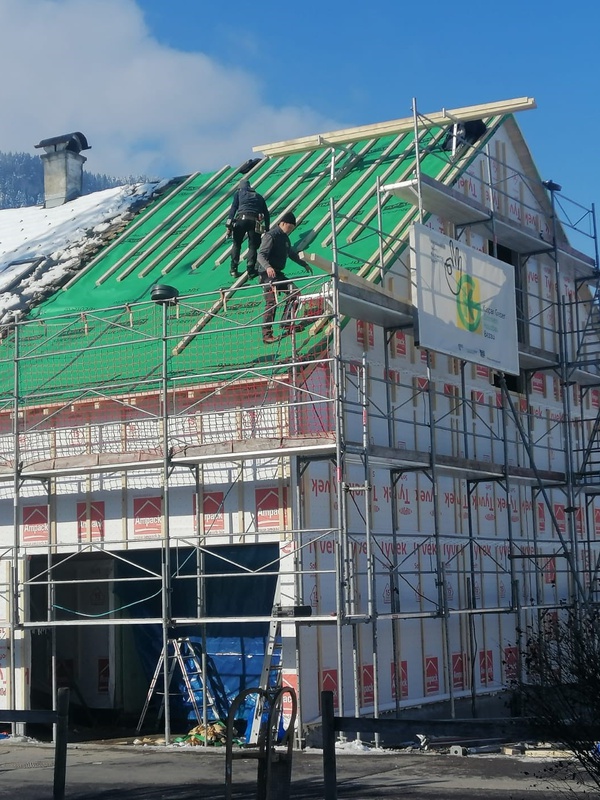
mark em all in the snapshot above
pixel 465 301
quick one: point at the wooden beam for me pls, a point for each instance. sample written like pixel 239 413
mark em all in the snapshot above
pixel 443 117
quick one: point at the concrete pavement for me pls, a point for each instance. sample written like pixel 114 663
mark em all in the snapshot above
pixel 103 770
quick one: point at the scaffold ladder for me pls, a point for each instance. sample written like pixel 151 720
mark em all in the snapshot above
pixel 270 675
pixel 182 653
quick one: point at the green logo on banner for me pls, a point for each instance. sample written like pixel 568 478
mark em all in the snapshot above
pixel 468 307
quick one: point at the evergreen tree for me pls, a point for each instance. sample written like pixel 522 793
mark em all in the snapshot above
pixel 22 181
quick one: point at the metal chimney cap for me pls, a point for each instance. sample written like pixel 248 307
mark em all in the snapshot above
pixel 74 142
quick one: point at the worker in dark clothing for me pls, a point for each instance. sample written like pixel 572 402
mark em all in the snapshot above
pixel 248 216
pixel 275 249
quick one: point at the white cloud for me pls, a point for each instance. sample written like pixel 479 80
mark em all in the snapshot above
pixel 93 66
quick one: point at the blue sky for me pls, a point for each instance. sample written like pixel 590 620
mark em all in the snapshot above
pixel 165 87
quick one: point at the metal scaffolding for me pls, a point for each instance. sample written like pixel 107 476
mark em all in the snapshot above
pixel 63 430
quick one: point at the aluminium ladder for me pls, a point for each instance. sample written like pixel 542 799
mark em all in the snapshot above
pixel 185 656
pixel 270 675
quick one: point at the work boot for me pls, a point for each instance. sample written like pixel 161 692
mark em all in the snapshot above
pixel 268 338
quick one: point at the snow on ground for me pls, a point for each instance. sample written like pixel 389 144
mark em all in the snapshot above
pixel 40 248
pixel 355 746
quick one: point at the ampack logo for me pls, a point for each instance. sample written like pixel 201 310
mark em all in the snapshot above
pixel 271 508
pixel 458 670
pixel 90 520
pixel 147 516
pixel 432 675
pixel 35 524
pixel 367 685
pixel 329 682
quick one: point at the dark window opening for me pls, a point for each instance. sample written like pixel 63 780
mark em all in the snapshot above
pixel 464 133
pixel 514 383
pixel 503 253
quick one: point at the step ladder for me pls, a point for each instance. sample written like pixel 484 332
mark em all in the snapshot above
pixel 270 675
pixel 180 653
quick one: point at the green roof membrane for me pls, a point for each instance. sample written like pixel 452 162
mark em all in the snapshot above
pixel 93 332
pixel 120 351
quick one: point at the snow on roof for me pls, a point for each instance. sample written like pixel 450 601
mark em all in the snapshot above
pixel 40 248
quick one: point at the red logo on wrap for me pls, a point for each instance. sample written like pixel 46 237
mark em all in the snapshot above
pixel 365 333
pixel 399 341
pixel 289 679
pixel 486 667
pixel 541 516
pixel 458 670
pixel 510 662
pixel 559 513
pixel 400 679
pixel 35 524
pixel 538 382
pixel 579 520
pixel 432 675
pixel 329 683
pixel 147 516
pixel 212 511
pixel 90 520
pixel 550 571
pixel 367 689
pixel 270 516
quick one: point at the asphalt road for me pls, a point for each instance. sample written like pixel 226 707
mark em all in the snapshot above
pixel 101 771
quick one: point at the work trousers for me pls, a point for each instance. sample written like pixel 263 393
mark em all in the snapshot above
pixel 278 284
pixel 241 228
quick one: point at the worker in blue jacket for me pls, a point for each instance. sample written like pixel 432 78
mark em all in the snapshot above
pixel 275 248
pixel 248 216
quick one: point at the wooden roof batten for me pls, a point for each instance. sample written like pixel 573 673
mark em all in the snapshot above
pixel 443 117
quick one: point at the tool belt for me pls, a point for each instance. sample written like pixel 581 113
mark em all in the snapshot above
pixel 256 218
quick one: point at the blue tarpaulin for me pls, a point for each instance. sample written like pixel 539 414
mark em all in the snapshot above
pixel 234 650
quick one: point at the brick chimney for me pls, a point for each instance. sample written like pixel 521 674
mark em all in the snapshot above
pixel 63 168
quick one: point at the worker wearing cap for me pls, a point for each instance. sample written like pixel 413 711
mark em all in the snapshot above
pixel 275 249
pixel 248 216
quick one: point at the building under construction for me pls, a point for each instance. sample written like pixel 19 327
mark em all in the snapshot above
pixel 382 503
